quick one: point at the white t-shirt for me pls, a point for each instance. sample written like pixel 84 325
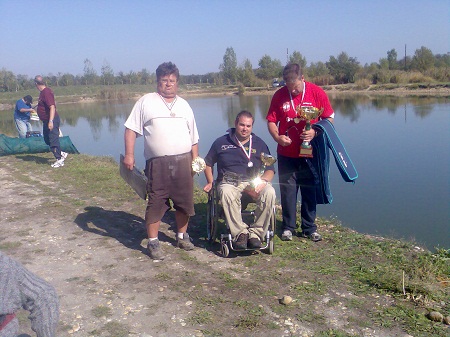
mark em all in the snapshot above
pixel 166 131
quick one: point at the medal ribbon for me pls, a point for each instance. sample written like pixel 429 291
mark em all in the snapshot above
pixel 249 154
pixel 303 96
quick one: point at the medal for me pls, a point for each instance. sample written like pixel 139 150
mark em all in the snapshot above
pixel 169 106
pixel 249 154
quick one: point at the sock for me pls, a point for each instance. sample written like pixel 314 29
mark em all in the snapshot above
pixel 152 239
pixel 180 236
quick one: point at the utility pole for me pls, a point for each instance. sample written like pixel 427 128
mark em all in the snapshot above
pixel 405 57
pixel 287 55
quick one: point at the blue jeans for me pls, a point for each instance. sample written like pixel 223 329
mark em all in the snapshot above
pixel 22 127
pixel 295 174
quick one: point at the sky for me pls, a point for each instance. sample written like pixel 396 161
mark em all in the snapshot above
pixel 50 37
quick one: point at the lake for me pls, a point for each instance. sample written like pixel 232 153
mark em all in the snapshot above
pixel 400 147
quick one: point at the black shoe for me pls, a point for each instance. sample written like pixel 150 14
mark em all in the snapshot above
pixel 254 243
pixel 241 242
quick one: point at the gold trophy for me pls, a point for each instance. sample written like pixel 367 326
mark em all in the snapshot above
pixel 307 113
pixel 266 160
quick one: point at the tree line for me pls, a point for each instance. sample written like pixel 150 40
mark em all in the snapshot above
pixel 423 66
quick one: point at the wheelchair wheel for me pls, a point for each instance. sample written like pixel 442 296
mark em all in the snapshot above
pixel 224 250
pixel 271 246
pixel 211 218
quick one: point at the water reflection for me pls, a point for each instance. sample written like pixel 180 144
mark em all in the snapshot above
pixel 404 181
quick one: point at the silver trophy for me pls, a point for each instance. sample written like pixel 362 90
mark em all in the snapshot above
pixel 267 160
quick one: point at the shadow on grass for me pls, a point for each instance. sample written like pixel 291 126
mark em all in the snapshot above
pixel 129 229
pixel 36 159
pixel 126 228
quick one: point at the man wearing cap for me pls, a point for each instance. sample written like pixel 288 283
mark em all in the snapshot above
pixel 22 115
pixel 47 113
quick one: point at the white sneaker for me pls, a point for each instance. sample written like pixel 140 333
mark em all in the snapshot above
pixel 64 155
pixel 287 235
pixel 58 163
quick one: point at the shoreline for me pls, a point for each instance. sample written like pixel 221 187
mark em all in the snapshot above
pixel 331 90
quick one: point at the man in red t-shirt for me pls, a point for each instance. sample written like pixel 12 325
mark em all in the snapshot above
pixel 47 113
pixel 294 172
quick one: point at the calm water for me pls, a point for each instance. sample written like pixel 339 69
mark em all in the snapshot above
pixel 400 147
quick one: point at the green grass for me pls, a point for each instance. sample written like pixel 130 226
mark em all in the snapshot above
pixel 101 311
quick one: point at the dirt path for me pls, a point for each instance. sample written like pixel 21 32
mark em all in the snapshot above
pixel 94 256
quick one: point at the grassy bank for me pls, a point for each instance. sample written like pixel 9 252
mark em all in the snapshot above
pixel 347 285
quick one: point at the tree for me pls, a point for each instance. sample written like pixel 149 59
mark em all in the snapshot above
pixel 422 60
pixel 392 59
pixel 145 77
pixel 343 68
pixel 297 57
pixel 318 73
pixel 107 73
pixel 268 68
pixel 67 79
pixel 89 72
pixel 246 75
pixel 8 81
pixel 384 63
pixel 442 60
pixel 229 66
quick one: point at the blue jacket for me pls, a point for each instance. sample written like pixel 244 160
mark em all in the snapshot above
pixel 326 139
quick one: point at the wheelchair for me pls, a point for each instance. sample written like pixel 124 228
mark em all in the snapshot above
pixel 217 228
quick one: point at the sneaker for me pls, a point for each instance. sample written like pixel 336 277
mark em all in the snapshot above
pixel 314 236
pixel 241 242
pixel 154 250
pixel 58 163
pixel 185 243
pixel 64 155
pixel 254 243
pixel 287 235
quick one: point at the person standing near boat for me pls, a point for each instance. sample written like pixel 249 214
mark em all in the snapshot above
pixel 47 113
pixel 22 113
pixel 170 145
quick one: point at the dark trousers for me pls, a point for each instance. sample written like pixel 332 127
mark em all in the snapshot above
pixel 295 174
pixel 51 137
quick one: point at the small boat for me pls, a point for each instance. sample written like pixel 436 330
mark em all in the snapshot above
pixel 34 143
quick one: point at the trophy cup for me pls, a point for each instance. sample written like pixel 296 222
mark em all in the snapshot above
pixel 307 113
pixel 34 116
pixel 266 160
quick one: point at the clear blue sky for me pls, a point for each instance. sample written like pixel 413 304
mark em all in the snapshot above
pixel 46 36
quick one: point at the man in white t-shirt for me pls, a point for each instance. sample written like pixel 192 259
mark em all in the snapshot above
pixel 170 144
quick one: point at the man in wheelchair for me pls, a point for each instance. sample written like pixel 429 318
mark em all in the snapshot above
pixel 239 166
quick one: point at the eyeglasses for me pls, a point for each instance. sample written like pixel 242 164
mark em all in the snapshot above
pixel 166 81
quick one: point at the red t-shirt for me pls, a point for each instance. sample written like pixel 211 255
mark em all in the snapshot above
pixel 282 113
pixel 46 99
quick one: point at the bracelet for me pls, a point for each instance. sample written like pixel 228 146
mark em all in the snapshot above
pixel 51 120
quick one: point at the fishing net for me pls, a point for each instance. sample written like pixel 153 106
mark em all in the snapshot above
pixel 33 144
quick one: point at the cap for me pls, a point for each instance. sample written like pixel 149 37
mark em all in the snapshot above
pixel 28 99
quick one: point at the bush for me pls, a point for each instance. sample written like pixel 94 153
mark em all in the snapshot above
pixel 417 77
pixel 363 83
pixel 241 89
